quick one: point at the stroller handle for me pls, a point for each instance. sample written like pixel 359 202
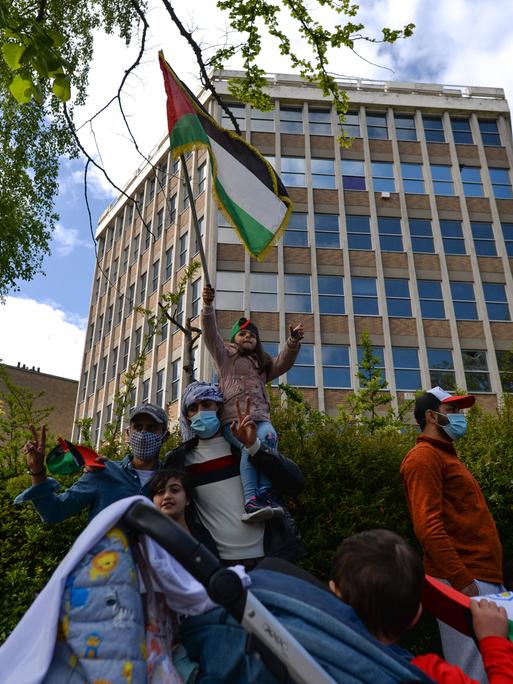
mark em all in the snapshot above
pixel 223 586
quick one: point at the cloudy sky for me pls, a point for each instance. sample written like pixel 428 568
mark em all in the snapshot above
pixel 459 42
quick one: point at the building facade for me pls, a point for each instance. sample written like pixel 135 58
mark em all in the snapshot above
pixel 406 234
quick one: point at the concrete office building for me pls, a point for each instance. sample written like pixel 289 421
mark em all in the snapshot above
pixel 406 234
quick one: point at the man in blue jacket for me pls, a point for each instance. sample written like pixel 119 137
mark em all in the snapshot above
pixel 97 490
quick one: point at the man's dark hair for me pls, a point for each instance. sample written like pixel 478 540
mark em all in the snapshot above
pixel 381 578
pixel 161 477
pixel 425 402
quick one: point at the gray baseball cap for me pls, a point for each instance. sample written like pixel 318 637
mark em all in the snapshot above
pixel 156 412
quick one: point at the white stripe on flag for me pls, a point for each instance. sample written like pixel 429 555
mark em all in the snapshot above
pixel 248 191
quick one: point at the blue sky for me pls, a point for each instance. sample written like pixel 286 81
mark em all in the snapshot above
pixel 459 42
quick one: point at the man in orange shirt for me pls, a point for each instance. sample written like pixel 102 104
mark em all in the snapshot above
pixel 450 517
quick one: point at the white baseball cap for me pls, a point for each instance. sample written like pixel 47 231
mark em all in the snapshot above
pixel 463 401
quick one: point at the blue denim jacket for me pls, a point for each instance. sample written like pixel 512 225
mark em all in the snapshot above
pixel 94 491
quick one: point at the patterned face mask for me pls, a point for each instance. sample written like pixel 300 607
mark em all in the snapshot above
pixel 145 446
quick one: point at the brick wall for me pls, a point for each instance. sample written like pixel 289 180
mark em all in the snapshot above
pixel 471 332
pixel 451 204
pixel 458 263
pixel 496 154
pixel 322 146
pixel 502 331
pixel 436 328
pixel 367 259
pixel 334 324
pixel 467 153
pixel 478 205
pixel 403 327
pixel 353 152
pixel 380 147
pixel 61 393
pixel 394 260
pixel 417 202
pixel 408 149
pixel 427 262
pixel 492 265
pixel 439 153
pixel 371 324
pixel 330 257
pixel 292 144
pixel 356 199
pixel 326 197
pixel 230 253
pixel 296 255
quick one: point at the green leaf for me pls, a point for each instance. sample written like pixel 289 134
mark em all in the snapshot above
pixel 62 88
pixel 21 89
pixel 12 53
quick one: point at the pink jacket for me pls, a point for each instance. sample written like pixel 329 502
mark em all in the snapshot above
pixel 238 374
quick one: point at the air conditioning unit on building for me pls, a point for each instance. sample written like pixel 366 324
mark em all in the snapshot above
pixel 385 195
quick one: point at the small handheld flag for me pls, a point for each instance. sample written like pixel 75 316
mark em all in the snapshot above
pixel 246 188
pixel 67 458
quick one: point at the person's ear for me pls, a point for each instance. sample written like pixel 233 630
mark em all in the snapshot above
pixel 417 616
pixel 333 588
pixel 430 417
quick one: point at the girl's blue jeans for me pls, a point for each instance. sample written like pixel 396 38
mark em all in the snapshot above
pixel 253 481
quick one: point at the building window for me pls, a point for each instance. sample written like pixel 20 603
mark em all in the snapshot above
pixel 484 241
pixel 293 171
pixel 108 413
pixel 496 301
pixel 262 122
pixel 126 349
pixel 377 126
pixel 380 364
pixel 471 179
pixel 131 293
pixel 489 133
pixel 119 224
pixel 110 314
pixel 103 373
pixel 442 179
pixel 431 299
pixel 164 329
pixel 186 200
pixel 353 174
pixel 239 113
pixel 383 176
pixel 433 128
pixel 142 287
pixel 135 248
pixel 464 301
pixel 452 237
pixel 160 222
pixel 130 214
pixel 147 239
pixel 97 426
pixel 114 362
pixel 365 297
pixel 182 255
pixel 162 175
pixel 202 178
pixel 175 379
pixel 271 348
pixel 169 263
pixel 194 362
pixel 397 292
pixel 179 312
pixel 115 268
pixel 263 292
pixel 421 236
pixel 390 236
pixel 501 183
pixel 476 371
pixel 151 189
pixel 225 233
pixel 351 125
pixel 125 259
pixel 461 131
pixel 358 232
pixel 84 385
pixel 229 287
pixel 195 297
pixel 96 290
pixel 302 373
pixel 336 369
pixel 155 270
pixel 145 391
pixel 296 233
pixel 413 181
pixel 175 166
pixel 291 119
pixel 110 237
pixel 405 127
pixel 505 364
pixel 507 232
pixel 323 173
pixel 319 121
pixel 441 369
pixel 159 396
pixel 137 345
pixel 90 336
pixel 297 294
pixel 120 309
pixel 406 368
pixel 327 232
pixel 171 210
pixel 331 294
pixel 105 280
pixel 99 328
pixel 93 379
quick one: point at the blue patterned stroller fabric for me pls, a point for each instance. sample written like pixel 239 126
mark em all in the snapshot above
pixel 101 634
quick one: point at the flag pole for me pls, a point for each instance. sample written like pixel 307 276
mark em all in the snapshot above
pixel 195 221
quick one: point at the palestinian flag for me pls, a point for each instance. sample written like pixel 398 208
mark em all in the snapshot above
pixel 246 188
pixel 66 458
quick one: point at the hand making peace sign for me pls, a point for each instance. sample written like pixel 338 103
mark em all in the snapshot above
pixel 34 451
pixel 244 428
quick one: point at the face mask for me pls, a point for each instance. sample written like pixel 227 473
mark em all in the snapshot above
pixel 145 446
pixel 456 427
pixel 205 424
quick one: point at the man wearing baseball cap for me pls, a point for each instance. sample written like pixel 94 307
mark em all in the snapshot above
pixel 103 483
pixel 450 517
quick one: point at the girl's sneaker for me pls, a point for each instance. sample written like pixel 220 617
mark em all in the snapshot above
pixel 277 509
pixel 257 509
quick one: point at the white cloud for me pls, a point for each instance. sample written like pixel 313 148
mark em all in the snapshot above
pixel 65 240
pixel 41 335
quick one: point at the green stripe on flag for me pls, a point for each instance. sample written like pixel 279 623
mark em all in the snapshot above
pixel 256 236
pixel 188 130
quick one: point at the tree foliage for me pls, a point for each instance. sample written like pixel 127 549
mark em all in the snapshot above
pixel 46 49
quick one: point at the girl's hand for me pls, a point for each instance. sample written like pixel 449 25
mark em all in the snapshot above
pixel 488 619
pixel 244 428
pixel 208 295
pixel 34 450
pixel 297 333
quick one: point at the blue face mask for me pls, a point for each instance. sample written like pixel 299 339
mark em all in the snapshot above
pixel 456 427
pixel 205 424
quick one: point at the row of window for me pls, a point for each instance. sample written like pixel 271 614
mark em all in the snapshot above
pixel 298 296
pixel 291 120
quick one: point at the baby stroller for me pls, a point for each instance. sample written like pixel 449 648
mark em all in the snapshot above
pixel 285 629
